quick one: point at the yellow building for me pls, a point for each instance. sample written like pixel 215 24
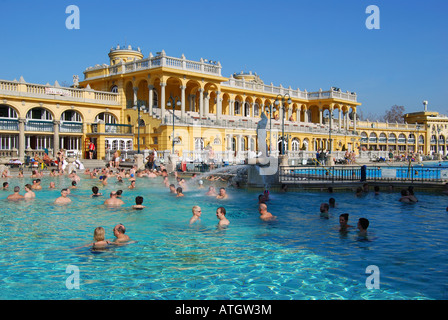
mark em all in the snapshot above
pixel 167 103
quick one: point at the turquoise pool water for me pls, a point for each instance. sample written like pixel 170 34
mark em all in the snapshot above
pixel 300 256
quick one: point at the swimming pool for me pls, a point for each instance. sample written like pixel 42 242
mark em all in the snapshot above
pixel 300 256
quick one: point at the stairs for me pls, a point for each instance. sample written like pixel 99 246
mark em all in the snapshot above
pixel 94 163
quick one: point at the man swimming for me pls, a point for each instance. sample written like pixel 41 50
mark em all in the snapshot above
pixel 113 201
pixel 222 194
pixel 63 199
pixel 221 215
pixel 196 214
pixel 138 203
pixel 264 214
pixel 15 196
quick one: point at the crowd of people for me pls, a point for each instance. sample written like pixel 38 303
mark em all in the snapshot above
pixel 121 175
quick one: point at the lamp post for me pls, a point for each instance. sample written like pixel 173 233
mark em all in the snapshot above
pixel 269 109
pixel 277 102
pixel 138 108
pixel 172 102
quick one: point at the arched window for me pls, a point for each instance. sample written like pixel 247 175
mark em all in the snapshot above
pixel 295 144
pixel 401 138
pixel 392 138
pixel 114 89
pixel 373 138
pixel 106 117
pixel 237 107
pixel 7 112
pixel 71 115
pixel 39 114
pixel 198 144
pixel 364 137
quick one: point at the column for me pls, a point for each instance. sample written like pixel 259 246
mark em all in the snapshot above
pixel 218 105
pixel 162 101
pixel 22 139
pixel 135 96
pixel 151 98
pixel 305 114
pixel 330 115
pixel 206 103
pixel 340 118
pixel 56 138
pixel 354 121
pixel 201 102
pixel 231 107
pixel 182 98
pixel 320 115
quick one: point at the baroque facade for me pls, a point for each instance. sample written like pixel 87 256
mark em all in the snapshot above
pixel 185 106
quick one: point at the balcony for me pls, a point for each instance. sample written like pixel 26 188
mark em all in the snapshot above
pixel 9 124
pixel 112 128
pixel 70 127
pixel 39 126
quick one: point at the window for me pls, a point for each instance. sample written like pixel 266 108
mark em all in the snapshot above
pixel 8 142
pixel 39 114
pixel 7 112
pixel 237 107
pixel 295 144
pixel 106 117
pixel 198 144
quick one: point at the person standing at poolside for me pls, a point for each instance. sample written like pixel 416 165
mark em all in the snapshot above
pixel 29 193
pixel 196 214
pixel 113 201
pixel 15 196
pixel 221 215
pixel 264 214
pixel 63 199
pixel 119 233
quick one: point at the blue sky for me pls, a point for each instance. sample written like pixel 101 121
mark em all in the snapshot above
pixel 302 44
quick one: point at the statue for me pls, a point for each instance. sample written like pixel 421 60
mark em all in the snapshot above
pixel 261 135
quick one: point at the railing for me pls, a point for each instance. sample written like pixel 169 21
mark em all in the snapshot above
pixel 57 93
pixel 156 62
pixel 70 127
pixel 40 126
pixel 9 124
pixel 300 175
pixel 118 128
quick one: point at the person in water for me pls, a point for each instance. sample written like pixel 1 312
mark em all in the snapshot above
pixel 138 203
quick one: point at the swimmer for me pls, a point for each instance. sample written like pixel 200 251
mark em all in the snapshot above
pixel 343 222
pixel 172 188
pixel 99 236
pixel 29 194
pixel 138 203
pixel 264 214
pixel 113 201
pixel 222 194
pixel 211 192
pixel 363 224
pixel 15 196
pixel 406 197
pixel 200 184
pixel 119 193
pixel 196 214
pixel 63 199
pixel 221 215
pixel 52 185
pixel 36 185
pixel 73 186
pixel 332 202
pixel 20 175
pixel 119 233
pixel 324 207
pixel 95 192
pixel 132 186
pixel 179 192
pixel 5 185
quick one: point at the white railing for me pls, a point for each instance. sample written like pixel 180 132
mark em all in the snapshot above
pixel 156 62
pixel 58 93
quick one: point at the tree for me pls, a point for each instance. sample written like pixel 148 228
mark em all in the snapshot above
pixel 394 114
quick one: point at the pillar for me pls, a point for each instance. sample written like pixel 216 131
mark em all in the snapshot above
pixel 162 101
pixel 218 105
pixel 151 98
pixel 182 98
pixel 22 139
pixel 201 102
pixel 56 138
pixel 320 115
